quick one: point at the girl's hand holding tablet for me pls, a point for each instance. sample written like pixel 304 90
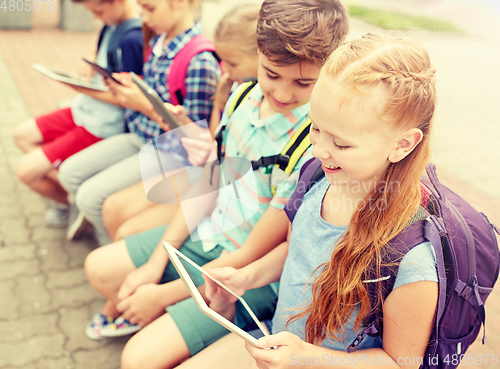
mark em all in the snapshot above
pixel 287 351
pixel 234 279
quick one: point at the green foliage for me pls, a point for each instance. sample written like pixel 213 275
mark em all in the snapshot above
pixel 398 21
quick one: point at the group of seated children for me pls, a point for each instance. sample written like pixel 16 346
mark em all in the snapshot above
pixel 366 106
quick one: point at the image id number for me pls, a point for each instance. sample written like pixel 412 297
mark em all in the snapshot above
pixel 27 5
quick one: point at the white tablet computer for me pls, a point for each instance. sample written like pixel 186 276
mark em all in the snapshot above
pixel 182 264
pixel 66 77
pixel 157 102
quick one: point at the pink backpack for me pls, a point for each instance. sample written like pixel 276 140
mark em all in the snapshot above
pixel 176 77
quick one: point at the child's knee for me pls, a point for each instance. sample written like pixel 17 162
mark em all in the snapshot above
pixel 88 199
pixel 131 357
pixel 67 177
pixel 127 229
pixel 94 270
pixel 25 171
pixel 22 134
pixel 110 210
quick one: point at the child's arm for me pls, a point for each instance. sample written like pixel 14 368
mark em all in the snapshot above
pixel 142 309
pixel 260 273
pixel 408 319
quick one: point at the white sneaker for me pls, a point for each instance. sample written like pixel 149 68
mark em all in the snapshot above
pixel 57 215
pixel 77 224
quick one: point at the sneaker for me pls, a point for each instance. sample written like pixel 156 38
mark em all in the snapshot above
pixel 57 215
pixel 77 224
pixel 120 327
pixel 94 327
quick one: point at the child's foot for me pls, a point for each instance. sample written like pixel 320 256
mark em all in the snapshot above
pixel 95 326
pixel 120 327
pixel 77 223
pixel 57 215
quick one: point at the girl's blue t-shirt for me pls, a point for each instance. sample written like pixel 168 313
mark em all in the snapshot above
pixel 311 244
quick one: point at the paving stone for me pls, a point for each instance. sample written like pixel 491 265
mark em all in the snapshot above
pixel 28 327
pixel 14 230
pixel 68 278
pixel 53 255
pixel 73 297
pixel 19 268
pixel 8 303
pixel 36 208
pixel 44 233
pixel 106 357
pixel 17 252
pixel 33 349
pixel 35 220
pixel 45 363
pixel 34 298
pixel 78 251
pixel 10 212
pixel 73 322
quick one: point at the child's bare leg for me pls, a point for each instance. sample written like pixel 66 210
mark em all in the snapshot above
pixel 27 136
pixel 106 268
pixel 33 168
pixel 158 345
pixel 227 353
pixel 150 218
pixel 123 205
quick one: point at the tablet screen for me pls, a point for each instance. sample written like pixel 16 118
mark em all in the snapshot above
pixel 191 273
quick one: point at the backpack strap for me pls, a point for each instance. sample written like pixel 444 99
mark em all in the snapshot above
pixel 114 53
pixel 239 95
pixel 285 162
pixel 176 77
pixel 310 173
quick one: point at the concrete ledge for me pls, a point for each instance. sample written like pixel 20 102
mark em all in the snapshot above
pixel 75 17
pixel 15 19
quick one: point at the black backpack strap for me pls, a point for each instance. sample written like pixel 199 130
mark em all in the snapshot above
pixel 310 173
pixel 242 91
pixel 114 52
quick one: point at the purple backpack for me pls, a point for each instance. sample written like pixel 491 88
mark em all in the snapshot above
pixel 467 258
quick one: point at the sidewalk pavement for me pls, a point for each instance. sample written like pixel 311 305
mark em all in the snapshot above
pixel 45 299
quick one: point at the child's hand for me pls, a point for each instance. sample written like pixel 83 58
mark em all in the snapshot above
pixel 84 69
pixel 143 306
pixel 232 278
pixel 287 346
pixel 145 274
pixel 199 149
pixel 128 94
pixel 222 93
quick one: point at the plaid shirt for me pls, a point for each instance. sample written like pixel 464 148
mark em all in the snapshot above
pixel 201 82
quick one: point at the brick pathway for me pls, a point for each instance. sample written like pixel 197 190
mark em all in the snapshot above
pixel 45 300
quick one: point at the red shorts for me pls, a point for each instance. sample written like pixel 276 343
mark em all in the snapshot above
pixel 62 137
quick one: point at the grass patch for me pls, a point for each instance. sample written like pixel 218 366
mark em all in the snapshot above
pixel 398 21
